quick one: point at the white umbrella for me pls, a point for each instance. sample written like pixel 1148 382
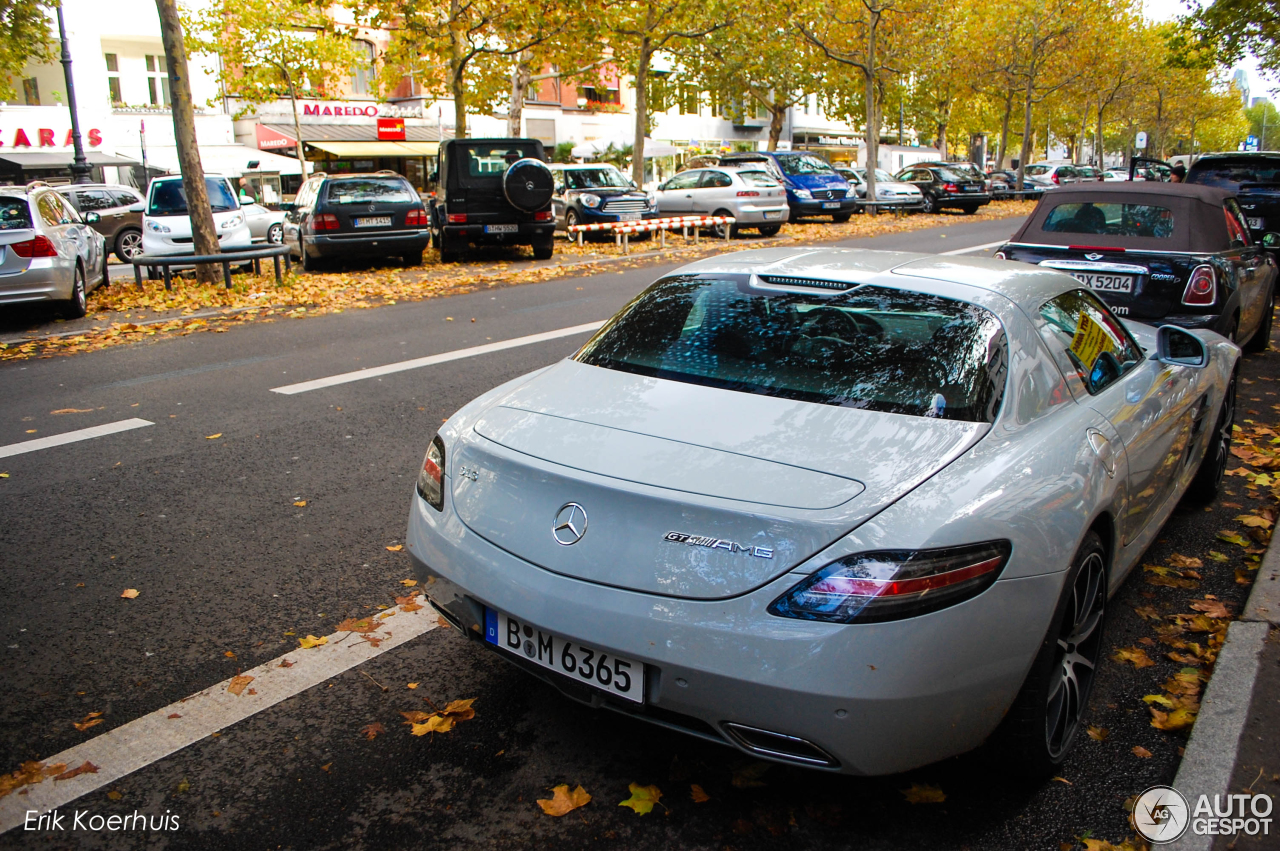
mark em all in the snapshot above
pixel 592 149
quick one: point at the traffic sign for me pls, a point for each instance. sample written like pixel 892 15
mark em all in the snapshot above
pixel 1141 142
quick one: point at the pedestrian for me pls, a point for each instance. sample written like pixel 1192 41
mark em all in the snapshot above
pixel 1178 173
pixel 246 194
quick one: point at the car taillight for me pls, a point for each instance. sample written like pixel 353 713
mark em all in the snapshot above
pixel 894 584
pixel 324 221
pixel 40 246
pixel 746 193
pixel 948 187
pixel 1000 255
pixel 431 479
pixel 543 216
pixel 415 218
pixel 457 218
pixel 1054 178
pixel 1202 288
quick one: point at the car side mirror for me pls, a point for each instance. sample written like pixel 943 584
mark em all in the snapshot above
pixel 1271 240
pixel 1180 347
pixel 137 208
pixel 92 218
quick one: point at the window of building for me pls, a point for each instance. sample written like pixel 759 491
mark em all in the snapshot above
pixel 113 77
pixel 602 94
pixel 362 80
pixel 31 91
pixel 158 80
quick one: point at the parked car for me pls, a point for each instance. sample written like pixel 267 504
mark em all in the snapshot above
pixel 493 192
pixel 889 193
pixel 1088 172
pixel 1001 184
pixel 942 187
pixel 595 193
pixel 48 251
pixel 343 216
pixel 812 185
pixel 118 224
pixel 1254 178
pixel 753 196
pixel 166 225
pixel 670 523
pixel 1113 175
pixel 1176 254
pixel 1056 174
pixel 265 225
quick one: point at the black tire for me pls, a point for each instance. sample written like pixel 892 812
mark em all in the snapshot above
pixel 794 217
pixel 571 219
pixel 128 244
pixel 1213 466
pixel 544 250
pixel 770 230
pixel 969 209
pixel 718 230
pixel 413 258
pixel 309 263
pixel 450 250
pixel 841 218
pixel 1047 716
pixel 930 204
pixel 78 305
pixel 275 234
pixel 1261 339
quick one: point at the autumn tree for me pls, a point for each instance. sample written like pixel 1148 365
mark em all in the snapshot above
pixel 26 35
pixel 1233 28
pixel 272 48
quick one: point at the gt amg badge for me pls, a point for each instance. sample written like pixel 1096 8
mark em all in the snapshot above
pixel 717 544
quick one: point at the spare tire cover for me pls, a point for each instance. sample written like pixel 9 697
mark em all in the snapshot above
pixel 528 184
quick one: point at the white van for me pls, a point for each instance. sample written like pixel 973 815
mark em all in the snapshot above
pixel 166 226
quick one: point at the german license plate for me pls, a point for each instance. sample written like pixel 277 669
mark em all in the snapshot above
pixel 1255 224
pixel 831 205
pixel 374 222
pixel 773 214
pixel 1105 283
pixel 501 228
pixel 603 671
pixel 628 217
pixel 972 188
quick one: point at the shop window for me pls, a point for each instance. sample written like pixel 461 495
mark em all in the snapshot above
pixel 362 80
pixel 158 80
pixel 31 91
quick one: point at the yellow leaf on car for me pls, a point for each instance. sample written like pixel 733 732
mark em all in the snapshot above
pixel 642 798
pixel 563 801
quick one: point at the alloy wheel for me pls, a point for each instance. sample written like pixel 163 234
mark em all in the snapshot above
pixel 929 206
pixel 275 234
pixel 1079 645
pixel 130 245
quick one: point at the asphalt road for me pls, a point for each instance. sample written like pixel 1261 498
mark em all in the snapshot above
pixel 231 572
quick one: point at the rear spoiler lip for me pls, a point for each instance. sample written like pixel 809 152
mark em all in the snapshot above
pixel 1042 245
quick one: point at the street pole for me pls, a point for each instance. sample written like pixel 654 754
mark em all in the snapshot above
pixel 81 171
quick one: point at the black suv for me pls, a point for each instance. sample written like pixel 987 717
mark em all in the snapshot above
pixel 947 185
pixel 1255 180
pixel 356 215
pixel 493 192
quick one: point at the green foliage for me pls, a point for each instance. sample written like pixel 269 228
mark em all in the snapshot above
pixel 1264 122
pixel 620 157
pixel 1232 28
pixel 26 35
pixel 563 153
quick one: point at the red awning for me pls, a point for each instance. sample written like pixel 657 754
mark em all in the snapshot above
pixel 271 140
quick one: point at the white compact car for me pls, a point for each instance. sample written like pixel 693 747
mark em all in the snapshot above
pixel 166 226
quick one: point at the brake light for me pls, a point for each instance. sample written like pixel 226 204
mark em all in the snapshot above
pixel 415 218
pixel 40 246
pixel 457 218
pixel 894 584
pixel 324 221
pixel 748 193
pixel 543 216
pixel 431 479
pixel 948 187
pixel 1054 178
pixel 1202 287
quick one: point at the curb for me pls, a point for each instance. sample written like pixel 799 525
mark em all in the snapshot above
pixel 1210 756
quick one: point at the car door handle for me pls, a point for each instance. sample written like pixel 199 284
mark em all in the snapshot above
pixel 1102 448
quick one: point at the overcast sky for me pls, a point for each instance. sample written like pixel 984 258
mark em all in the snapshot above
pixel 1164 10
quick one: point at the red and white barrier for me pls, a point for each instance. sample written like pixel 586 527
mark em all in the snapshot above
pixel 623 230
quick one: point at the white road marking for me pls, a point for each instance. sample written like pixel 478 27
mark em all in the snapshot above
pixel 432 360
pixel 71 437
pixel 974 248
pixel 153 737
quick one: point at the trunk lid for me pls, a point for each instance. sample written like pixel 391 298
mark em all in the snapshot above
pixel 688 491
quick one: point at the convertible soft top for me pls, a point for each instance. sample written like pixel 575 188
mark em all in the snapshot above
pixel 1199 223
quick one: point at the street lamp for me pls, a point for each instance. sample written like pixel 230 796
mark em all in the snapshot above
pixel 81 171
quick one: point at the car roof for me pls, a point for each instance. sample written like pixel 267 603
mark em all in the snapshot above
pixel 1027 286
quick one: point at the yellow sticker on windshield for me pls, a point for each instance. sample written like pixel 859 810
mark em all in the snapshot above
pixel 1090 340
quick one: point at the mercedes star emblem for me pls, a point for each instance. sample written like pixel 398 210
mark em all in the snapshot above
pixel 528 185
pixel 570 524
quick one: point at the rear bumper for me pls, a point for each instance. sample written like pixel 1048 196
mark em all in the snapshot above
pixel 526 233
pixel 367 244
pixel 41 281
pixel 753 214
pixel 963 199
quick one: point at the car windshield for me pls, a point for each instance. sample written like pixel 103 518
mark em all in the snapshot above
pixel 370 190
pixel 871 347
pixel 484 165
pixel 794 164
pixel 168 198
pixel 758 178
pixel 15 214
pixel 1111 218
pixel 597 177
pixel 882 176
pixel 1235 174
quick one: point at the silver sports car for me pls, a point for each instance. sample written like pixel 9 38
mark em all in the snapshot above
pixel 845 509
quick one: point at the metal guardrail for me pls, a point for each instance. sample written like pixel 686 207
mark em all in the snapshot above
pixel 225 259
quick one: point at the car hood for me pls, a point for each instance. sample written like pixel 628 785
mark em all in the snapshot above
pixel 688 491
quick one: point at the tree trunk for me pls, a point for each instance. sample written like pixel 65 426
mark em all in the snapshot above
pixel 777 117
pixel 1004 128
pixel 942 140
pixel 520 78
pixel 457 72
pixel 1026 134
pixel 872 135
pixel 203 231
pixel 1084 133
pixel 642 110
pixel 297 128
pixel 1101 148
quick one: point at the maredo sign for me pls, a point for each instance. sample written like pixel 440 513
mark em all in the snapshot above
pixel 47 138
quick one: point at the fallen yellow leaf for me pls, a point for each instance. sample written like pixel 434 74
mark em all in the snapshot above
pixel 300 503
pixel 698 794
pixel 371 731
pixel 213 436
pixel 923 793
pixel 1136 655
pixel 1098 734
pixel 563 801
pixel 1141 753
pixel 433 724
pixel 642 798
pixel 411 685
pixel 397 548
pixel 237 684
pixel 311 641
pixel 408 583
pixel 129 593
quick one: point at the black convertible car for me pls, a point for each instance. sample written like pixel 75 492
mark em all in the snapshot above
pixel 1159 253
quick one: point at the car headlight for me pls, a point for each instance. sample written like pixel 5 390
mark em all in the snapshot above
pixel 803 193
pixel 589 200
pixel 652 199
pixel 156 227
pixel 233 222
pixel 431 479
pixel 890 585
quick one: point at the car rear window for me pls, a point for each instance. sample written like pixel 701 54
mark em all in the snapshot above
pixel 1038 169
pixel 370 190
pixel 14 213
pixel 484 165
pixel 1111 218
pixel 1237 174
pixel 168 198
pixel 871 347
pixel 758 178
